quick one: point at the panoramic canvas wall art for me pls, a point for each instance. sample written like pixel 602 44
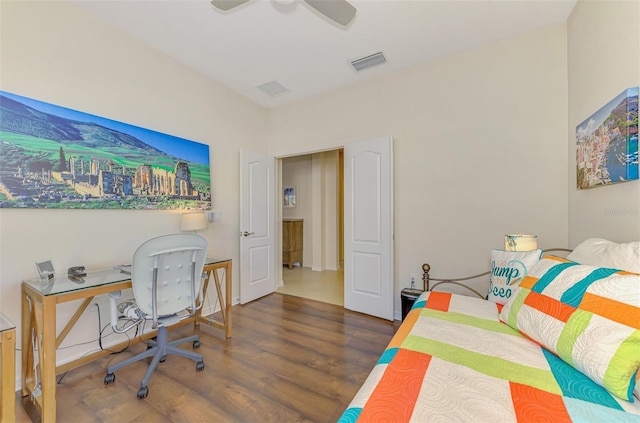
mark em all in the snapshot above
pixel 54 157
pixel 607 143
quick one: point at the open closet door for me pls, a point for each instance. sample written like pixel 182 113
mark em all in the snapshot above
pixel 257 225
pixel 368 227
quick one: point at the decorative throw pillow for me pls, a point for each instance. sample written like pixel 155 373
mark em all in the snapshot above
pixel 588 316
pixel 508 268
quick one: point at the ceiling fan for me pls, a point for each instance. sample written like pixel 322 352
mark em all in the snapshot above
pixel 339 11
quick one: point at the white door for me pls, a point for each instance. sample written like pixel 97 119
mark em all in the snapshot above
pixel 257 225
pixel 368 227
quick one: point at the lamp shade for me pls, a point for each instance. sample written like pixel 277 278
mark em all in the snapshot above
pixel 520 242
pixel 193 222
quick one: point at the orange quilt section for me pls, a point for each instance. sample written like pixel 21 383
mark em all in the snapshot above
pixel 534 405
pixel 396 393
pixel 608 308
pixel 549 306
pixel 438 301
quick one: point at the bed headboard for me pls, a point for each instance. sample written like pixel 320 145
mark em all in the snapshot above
pixel 427 279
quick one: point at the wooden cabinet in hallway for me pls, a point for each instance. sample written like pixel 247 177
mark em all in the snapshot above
pixel 292 241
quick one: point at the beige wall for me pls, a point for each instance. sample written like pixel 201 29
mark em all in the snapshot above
pixel 297 171
pixel 603 60
pixel 316 179
pixel 480 148
pixel 331 213
pixel 54 52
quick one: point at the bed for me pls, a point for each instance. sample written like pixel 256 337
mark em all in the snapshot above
pixel 459 358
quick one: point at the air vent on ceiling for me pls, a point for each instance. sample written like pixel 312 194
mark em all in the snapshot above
pixel 273 88
pixel 368 61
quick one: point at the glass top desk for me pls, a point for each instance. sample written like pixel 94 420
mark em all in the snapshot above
pixel 39 300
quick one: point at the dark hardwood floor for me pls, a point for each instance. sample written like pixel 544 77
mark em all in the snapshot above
pixel 290 360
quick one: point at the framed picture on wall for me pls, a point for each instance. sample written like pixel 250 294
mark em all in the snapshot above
pixel 58 158
pixel 607 143
pixel 289 197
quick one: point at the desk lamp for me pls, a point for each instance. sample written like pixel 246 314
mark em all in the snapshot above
pixel 193 222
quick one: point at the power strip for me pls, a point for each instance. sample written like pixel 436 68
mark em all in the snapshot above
pixel 123 306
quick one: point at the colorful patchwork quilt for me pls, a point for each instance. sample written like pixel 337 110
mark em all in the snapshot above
pixel 452 360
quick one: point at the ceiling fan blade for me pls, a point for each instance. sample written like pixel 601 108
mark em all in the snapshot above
pixel 339 11
pixel 227 4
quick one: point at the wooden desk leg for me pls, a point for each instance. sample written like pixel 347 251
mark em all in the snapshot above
pixel 47 332
pixel 228 300
pixel 8 395
pixel 200 303
pixel 26 342
pixel 225 302
pixel 223 309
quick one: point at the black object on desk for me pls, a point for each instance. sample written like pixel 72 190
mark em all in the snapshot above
pixel 76 272
pixel 408 297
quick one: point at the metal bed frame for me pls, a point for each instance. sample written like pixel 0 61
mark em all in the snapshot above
pixel 426 278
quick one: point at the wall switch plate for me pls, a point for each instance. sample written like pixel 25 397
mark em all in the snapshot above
pixel 214 216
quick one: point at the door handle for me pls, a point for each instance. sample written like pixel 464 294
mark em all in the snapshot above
pixel 245 233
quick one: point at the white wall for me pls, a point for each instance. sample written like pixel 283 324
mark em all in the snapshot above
pixel 480 148
pixel 603 60
pixel 54 52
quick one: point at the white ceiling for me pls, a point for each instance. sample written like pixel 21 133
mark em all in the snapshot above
pixel 267 40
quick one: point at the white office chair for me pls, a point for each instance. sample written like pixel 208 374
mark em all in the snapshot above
pixel 166 277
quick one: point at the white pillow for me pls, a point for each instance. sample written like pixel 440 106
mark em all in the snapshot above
pixel 602 253
pixel 508 268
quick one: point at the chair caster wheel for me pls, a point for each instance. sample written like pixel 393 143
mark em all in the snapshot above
pixel 196 344
pixel 163 359
pixel 143 392
pixel 200 366
pixel 109 378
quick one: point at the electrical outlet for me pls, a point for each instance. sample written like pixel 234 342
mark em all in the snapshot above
pixel 413 280
pixel 103 303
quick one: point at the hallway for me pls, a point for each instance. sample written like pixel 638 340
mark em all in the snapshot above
pixel 326 286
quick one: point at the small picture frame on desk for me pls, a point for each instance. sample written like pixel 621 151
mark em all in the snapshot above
pixel 45 270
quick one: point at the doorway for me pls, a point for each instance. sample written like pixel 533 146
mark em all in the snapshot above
pixel 313 186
